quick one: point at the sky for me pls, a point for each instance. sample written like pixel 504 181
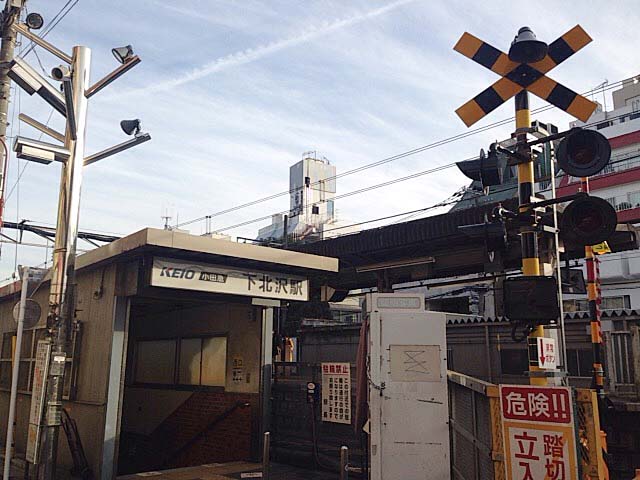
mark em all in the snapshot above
pixel 233 92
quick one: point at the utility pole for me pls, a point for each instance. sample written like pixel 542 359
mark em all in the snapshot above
pixel 72 103
pixel 10 16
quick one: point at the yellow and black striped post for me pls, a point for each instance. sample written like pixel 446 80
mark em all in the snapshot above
pixel 528 235
pixel 593 295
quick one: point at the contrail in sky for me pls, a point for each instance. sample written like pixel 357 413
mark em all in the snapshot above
pixel 252 54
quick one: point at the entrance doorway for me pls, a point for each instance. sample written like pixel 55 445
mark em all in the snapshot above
pixel 192 384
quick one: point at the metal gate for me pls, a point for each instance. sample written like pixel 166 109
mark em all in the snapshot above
pixel 299 436
pixel 474 425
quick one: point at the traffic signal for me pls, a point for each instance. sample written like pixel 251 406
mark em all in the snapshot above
pixel 583 153
pixel 486 169
pixel 588 221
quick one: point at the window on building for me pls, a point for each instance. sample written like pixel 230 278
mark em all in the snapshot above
pixel 579 362
pixel 182 361
pixel 28 350
pixel 635 105
pixel 514 361
pixel 616 303
pixel 608 303
pixel 155 361
pixel 575 305
pixel 346 316
pixel 330 209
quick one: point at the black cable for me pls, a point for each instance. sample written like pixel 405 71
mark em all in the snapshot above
pixel 344 195
pixel 390 159
pixel 384 184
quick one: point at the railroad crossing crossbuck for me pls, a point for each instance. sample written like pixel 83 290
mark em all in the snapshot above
pixel 516 77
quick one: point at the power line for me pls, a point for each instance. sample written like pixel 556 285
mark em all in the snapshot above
pixel 380 185
pixel 348 194
pixel 52 24
pixel 388 159
pixel 449 201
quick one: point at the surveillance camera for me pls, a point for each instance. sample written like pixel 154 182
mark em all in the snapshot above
pixel 60 73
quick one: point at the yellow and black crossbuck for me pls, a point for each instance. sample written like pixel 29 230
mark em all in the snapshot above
pixel 516 77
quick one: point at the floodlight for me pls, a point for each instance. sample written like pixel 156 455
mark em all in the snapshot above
pixel 131 127
pixel 38 151
pixel 32 82
pixel 122 54
pixel 34 21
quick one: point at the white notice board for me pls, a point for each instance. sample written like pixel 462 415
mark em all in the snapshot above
pixel 336 392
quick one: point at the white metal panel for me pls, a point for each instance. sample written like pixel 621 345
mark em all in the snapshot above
pixel 408 389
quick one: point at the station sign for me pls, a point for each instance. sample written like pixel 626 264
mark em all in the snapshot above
pixel 205 277
pixel 538 432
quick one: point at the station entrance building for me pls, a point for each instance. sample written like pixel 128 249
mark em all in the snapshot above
pixel 170 360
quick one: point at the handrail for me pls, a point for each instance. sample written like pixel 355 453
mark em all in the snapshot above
pixel 211 424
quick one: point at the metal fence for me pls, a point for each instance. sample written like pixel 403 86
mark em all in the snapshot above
pixel 300 437
pixel 475 430
pixel 621 361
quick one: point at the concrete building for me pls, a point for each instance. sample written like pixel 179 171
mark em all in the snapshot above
pixel 172 349
pixel 312 213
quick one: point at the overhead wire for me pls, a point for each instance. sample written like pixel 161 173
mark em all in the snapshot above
pixel 380 185
pixel 52 24
pixel 388 159
pixel 348 194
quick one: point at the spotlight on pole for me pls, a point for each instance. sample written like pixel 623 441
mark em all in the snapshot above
pixel 131 127
pixel 526 48
pixel 123 54
pixel 34 21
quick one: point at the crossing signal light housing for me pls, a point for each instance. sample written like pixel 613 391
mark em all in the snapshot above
pixel 583 153
pixel 588 221
pixel 486 169
pixel 526 48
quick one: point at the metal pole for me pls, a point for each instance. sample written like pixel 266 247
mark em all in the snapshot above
pixel 8 451
pixel 556 241
pixel 61 296
pixel 593 293
pixel 285 234
pixel 11 16
pixel 266 448
pixel 528 236
pixel 344 463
